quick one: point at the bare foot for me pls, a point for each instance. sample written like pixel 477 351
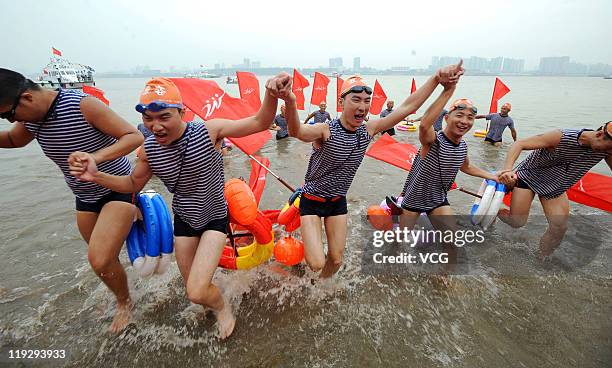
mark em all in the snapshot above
pixel 225 321
pixel 122 316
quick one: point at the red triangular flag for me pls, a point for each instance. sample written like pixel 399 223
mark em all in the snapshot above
pixel 56 51
pixel 249 89
pixel 339 82
pixel 592 190
pixel 378 99
pixel 387 149
pixel 400 155
pixel 257 180
pixel 413 90
pixel 499 91
pixel 299 83
pixel 319 89
pixel 96 92
pixel 209 101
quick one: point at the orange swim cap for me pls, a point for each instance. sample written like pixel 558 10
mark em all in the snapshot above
pixel 159 93
pixel 463 103
pixel 354 84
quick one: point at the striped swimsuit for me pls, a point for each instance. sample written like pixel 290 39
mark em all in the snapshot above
pixel 64 131
pixel 432 176
pixel 192 169
pixel 551 173
pixel 332 166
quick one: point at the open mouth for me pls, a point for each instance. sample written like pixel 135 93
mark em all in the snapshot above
pixel 359 118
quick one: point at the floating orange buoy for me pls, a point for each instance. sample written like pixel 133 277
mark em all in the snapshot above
pixel 481 133
pixel 289 251
pixel 240 201
pixel 379 218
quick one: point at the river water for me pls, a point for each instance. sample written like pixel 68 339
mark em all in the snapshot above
pixel 545 315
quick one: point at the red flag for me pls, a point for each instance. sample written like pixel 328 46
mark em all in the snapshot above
pixel 378 99
pixel 96 92
pixel 56 51
pixel 400 155
pixel 249 89
pixel 209 101
pixel 257 180
pixel 592 190
pixel 413 90
pixel 339 82
pixel 188 115
pixel 299 83
pixel 319 89
pixel 499 91
pixel 387 149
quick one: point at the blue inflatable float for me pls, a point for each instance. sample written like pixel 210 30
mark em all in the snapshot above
pixel 150 242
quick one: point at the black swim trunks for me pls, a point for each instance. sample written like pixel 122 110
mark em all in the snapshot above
pixel 181 228
pixel 97 206
pixel 325 208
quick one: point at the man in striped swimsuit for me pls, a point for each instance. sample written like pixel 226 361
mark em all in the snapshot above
pixel 338 149
pixel 65 122
pixel 560 158
pixel 441 156
pixel 185 158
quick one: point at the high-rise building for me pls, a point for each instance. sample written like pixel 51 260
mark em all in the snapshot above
pixel 356 63
pixel 553 65
pixel 247 63
pixel 476 64
pixel 495 65
pixel 513 65
pixel 335 62
pixel 256 64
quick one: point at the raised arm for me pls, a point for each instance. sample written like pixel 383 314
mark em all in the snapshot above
pixel 278 86
pixel 108 122
pixel 310 116
pixel 303 132
pixel 427 134
pixel 449 74
pixel 17 137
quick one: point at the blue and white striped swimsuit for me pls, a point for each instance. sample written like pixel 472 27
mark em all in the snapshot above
pixel 432 176
pixel 332 166
pixel 551 173
pixel 65 131
pixel 192 169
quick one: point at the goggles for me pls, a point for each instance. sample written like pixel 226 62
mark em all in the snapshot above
pixel 156 106
pixel 358 89
pixel 463 106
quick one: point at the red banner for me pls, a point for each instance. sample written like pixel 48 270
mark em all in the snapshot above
pixel 499 91
pixel 339 82
pixel 319 89
pixel 97 93
pixel 299 83
pixel 387 149
pixel 378 99
pixel 206 99
pixel 56 51
pixel 400 155
pixel 249 89
pixel 413 88
pixel 189 115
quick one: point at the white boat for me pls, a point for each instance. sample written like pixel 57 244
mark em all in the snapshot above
pixel 203 75
pixel 61 73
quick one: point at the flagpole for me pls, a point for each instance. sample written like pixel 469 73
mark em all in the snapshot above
pixel 287 185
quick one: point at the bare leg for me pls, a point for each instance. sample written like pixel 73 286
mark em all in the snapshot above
pixel 335 228
pixel 520 205
pixel 310 227
pixel 200 288
pixel 557 213
pixel 105 240
pixel 185 248
pixel 443 219
pixel 408 219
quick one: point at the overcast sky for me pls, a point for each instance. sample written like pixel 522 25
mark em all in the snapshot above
pixel 118 35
